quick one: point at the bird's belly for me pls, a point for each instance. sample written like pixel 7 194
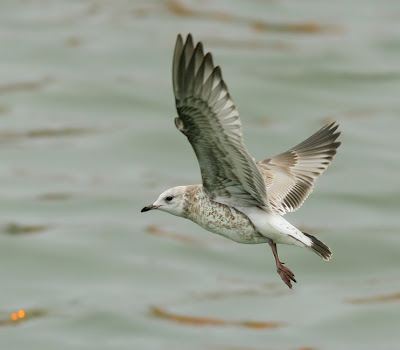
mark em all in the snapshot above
pixel 275 227
pixel 230 223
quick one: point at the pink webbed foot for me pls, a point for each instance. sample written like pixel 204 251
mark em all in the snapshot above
pixel 286 275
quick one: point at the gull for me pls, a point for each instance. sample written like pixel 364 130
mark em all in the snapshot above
pixel 239 198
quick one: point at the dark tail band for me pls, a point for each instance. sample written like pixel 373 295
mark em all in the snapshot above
pixel 320 248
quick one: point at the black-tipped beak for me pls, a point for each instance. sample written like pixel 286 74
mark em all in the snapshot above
pixel 150 207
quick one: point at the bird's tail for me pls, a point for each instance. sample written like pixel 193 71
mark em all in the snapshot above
pixel 319 248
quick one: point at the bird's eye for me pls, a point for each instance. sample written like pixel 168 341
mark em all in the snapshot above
pixel 169 198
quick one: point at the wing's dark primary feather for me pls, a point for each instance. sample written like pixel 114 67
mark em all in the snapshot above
pixel 210 120
pixel 290 176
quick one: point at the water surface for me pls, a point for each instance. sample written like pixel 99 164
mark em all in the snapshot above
pixel 87 139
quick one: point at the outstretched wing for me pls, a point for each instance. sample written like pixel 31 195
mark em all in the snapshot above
pixel 210 120
pixel 290 176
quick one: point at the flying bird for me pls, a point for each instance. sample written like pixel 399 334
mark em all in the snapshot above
pixel 239 198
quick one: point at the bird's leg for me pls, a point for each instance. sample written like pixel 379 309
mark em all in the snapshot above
pixel 286 275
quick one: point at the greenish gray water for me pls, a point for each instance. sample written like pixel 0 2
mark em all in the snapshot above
pixel 87 139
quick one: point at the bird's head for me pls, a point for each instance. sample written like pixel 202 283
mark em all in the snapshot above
pixel 171 201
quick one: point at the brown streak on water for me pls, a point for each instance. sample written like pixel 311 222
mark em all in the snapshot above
pixel 29 315
pixel 18 229
pixel 375 299
pixel 25 85
pixel 204 321
pixel 179 9
pixel 157 231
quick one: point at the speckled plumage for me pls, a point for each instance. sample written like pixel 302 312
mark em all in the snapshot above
pixel 219 218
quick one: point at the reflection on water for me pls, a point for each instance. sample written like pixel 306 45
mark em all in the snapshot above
pixel 202 321
pixel 87 136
